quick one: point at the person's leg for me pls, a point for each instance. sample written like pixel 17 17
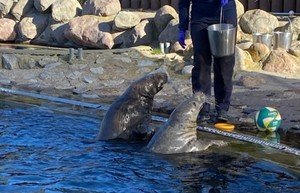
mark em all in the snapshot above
pixel 224 67
pixel 223 84
pixel 201 73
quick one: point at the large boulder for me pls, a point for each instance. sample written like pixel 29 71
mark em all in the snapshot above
pixel 257 20
pixel 280 61
pixel 32 25
pixel 240 10
pixel 101 7
pixel 65 10
pixel 5 6
pixel 244 62
pixel 7 29
pixel 295 49
pixel 10 62
pixel 53 35
pixel 121 38
pixel 259 52
pixel 142 34
pixel 163 16
pixel 43 5
pixel 295 28
pixel 169 34
pixel 125 20
pixel 90 31
pixel 21 8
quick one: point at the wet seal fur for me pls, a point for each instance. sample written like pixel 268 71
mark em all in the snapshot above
pixel 129 115
pixel 179 133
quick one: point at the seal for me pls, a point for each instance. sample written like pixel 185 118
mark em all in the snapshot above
pixel 179 133
pixel 129 115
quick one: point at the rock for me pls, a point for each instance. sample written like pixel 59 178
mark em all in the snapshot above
pixel 65 10
pixel 242 36
pixel 50 75
pixel 187 69
pixel 121 38
pixel 258 52
pixel 90 96
pixel 243 61
pixel 53 35
pixel 163 16
pixel 280 61
pixel 244 45
pixel 5 82
pixel 21 8
pixel 32 25
pixel 101 7
pixel 295 28
pixel 5 7
pixel 251 81
pixel 145 15
pixel 295 49
pixel 170 33
pixel 239 8
pixel 80 90
pixel 145 63
pixel 125 20
pixel 88 79
pixel 7 29
pixel 110 83
pixel 74 75
pixel 27 63
pixel 89 30
pixel 98 70
pixel 10 61
pixel 255 21
pixel 123 59
pixel 43 5
pixel 47 60
pixel 142 34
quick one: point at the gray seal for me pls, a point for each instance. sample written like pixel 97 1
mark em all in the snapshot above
pixel 179 133
pixel 129 115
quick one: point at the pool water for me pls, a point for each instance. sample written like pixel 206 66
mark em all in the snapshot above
pixel 45 150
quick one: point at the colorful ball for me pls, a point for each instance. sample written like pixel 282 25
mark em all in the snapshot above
pixel 267 119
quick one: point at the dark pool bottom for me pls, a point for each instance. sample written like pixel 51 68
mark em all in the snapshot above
pixel 42 150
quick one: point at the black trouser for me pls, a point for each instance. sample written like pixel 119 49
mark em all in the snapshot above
pixel 223 67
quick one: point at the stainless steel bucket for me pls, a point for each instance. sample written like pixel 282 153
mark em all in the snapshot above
pixel 282 40
pixel 264 38
pixel 222 39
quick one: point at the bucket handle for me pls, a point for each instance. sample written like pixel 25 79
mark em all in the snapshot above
pixel 291 28
pixel 291 14
pixel 221 15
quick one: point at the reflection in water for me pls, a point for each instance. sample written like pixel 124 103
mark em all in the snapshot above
pixel 45 151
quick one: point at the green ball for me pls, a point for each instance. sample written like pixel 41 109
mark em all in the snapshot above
pixel 268 119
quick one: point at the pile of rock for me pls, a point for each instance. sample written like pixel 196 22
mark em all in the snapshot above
pixel 103 24
pixel 97 24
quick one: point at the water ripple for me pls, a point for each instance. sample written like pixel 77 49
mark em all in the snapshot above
pixel 42 150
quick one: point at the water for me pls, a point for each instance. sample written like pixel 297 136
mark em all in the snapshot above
pixel 45 150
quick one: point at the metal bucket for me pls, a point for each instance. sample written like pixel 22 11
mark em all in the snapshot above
pixel 263 38
pixel 222 39
pixel 283 40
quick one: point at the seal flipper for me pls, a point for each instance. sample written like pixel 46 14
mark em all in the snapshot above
pixel 203 144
